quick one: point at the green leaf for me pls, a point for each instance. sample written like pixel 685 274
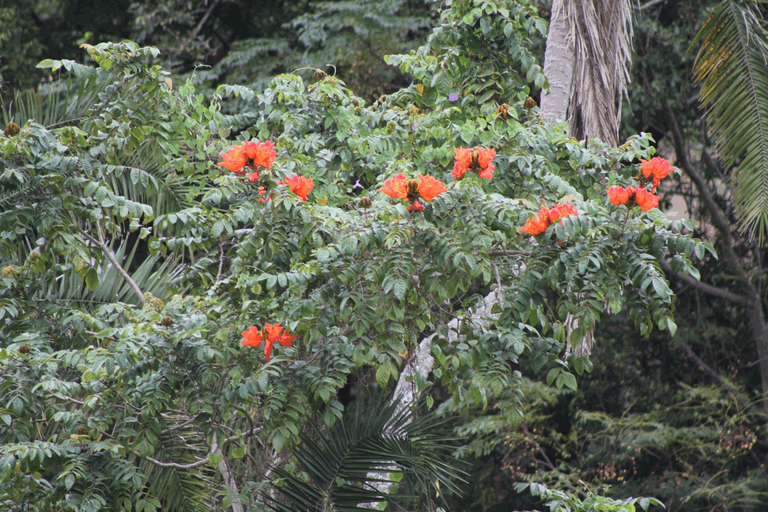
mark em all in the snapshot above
pixel 92 279
pixel 382 375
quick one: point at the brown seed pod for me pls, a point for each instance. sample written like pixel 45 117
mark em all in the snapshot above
pixel 502 111
pixel 319 74
pixel 81 431
pixel 365 202
pixel 530 103
pixel 24 349
pixel 167 321
pixel 11 130
pixel 413 190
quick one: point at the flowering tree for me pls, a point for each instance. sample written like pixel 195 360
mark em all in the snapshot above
pixel 288 213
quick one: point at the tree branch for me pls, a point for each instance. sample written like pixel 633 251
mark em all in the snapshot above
pixel 706 288
pixel 717 217
pixel 108 253
pixel 174 465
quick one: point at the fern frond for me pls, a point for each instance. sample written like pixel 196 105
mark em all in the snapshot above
pixel 732 67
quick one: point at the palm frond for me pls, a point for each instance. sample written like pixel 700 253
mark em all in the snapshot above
pixel 144 179
pixel 151 276
pixel 732 67
pixel 181 490
pixel 61 103
pixel 384 440
pixel 602 50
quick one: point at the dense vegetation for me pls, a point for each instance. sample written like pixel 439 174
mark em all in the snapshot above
pixel 132 263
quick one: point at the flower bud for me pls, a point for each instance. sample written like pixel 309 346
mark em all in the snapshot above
pixel 24 349
pixel 529 103
pixel 11 130
pixel 365 202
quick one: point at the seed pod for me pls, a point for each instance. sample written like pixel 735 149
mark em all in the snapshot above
pixel 81 431
pixel 319 74
pixel 530 103
pixel 24 349
pixel 502 111
pixel 11 130
pixel 413 190
pixel 167 321
pixel 365 202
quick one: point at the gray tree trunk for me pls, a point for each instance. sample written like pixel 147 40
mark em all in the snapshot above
pixel 558 66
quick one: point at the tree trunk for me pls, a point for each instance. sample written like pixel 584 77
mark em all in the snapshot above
pixel 558 66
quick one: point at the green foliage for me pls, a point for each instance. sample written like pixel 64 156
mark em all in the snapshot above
pixel 385 442
pixel 559 501
pixel 118 399
pixel 734 45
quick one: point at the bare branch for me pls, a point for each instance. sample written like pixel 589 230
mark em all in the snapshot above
pixel 706 288
pixel 174 465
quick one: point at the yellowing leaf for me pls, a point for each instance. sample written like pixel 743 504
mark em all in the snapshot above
pixel 420 88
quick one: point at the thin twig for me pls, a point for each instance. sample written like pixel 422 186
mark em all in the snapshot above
pixel 504 252
pixel 175 465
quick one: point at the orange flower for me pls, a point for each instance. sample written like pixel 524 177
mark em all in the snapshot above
pixel 430 187
pixel 645 200
pixel 620 195
pixel 299 185
pixel 656 167
pixel 253 154
pixel 484 159
pixel 262 154
pixel 251 337
pixel 269 335
pixel 642 198
pixel 463 156
pixel 560 212
pixel 416 206
pixel 396 188
pixel 546 217
pixel 536 225
pixel 473 159
pixel 234 160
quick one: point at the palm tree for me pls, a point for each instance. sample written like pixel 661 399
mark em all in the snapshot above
pixel 732 67
pixel 587 64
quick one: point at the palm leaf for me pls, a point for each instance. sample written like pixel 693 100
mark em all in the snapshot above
pixel 61 103
pixel 181 490
pixel 732 67
pixel 152 276
pixel 372 441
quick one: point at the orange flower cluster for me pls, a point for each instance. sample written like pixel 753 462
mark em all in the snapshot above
pixel 624 195
pixel 299 185
pixel 474 159
pixel 250 154
pixel 546 217
pixel 269 335
pixel 655 170
pixel 426 188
